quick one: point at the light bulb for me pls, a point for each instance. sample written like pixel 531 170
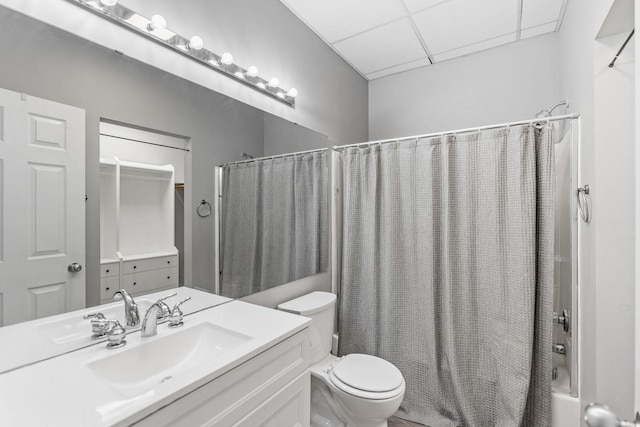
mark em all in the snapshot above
pixel 274 82
pixel 196 43
pixel 293 92
pixel 227 58
pixel 109 2
pixel 252 71
pixel 239 74
pixel 157 21
pixel 280 95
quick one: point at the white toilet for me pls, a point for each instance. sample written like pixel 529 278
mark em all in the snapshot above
pixel 356 390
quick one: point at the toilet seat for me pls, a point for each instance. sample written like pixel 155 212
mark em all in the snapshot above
pixel 368 377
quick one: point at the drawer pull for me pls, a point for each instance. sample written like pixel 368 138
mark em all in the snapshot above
pixel 134 283
pixel 108 288
pixel 108 271
pixel 168 262
pixel 168 277
pixel 135 266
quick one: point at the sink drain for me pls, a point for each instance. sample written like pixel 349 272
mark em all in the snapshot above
pixel 166 379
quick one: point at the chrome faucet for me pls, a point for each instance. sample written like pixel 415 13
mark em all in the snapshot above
pixel 130 307
pixel 150 322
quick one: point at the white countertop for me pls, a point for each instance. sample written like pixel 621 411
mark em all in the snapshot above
pixel 64 391
pixel 28 342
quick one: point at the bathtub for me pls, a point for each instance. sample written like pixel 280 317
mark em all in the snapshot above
pixel 566 410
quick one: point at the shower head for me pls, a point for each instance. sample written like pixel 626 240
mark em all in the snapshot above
pixel 542 114
pixel 547 113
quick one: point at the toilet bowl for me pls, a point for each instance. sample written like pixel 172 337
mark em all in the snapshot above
pixel 356 390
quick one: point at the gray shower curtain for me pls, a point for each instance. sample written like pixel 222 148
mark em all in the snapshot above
pixel 447 272
pixel 274 222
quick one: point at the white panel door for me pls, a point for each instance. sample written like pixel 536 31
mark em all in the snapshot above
pixel 42 207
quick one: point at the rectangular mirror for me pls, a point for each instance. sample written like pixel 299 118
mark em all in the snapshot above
pixel 110 86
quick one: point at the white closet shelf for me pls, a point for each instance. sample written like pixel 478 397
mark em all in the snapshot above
pixel 140 171
pixel 137 227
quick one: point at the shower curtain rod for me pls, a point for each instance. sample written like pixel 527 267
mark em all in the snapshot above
pixel 274 156
pixel 453 132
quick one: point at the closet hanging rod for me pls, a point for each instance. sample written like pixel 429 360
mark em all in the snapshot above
pixel 622 48
pixel 277 156
pixel 454 132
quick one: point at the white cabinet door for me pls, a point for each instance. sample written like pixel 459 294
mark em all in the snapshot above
pixel 42 207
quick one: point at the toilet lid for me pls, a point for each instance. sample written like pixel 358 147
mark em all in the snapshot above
pixel 368 373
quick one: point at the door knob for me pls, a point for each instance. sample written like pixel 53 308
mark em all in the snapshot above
pixel 599 415
pixel 74 267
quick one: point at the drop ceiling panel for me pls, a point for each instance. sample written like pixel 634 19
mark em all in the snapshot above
pixel 382 37
pixel 476 47
pixel 458 23
pixel 536 12
pixel 540 29
pixel 382 47
pixel 335 20
pixel 418 5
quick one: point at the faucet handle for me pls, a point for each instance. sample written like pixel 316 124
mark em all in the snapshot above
pixel 167 296
pixel 115 334
pixel 165 311
pixel 97 315
pixel 177 315
pixel 99 325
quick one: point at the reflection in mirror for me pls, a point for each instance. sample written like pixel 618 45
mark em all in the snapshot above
pixel 273 217
pixel 218 128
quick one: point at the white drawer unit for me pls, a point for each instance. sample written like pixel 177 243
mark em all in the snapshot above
pixel 108 285
pixel 147 281
pixel 147 264
pixel 271 389
pixel 109 270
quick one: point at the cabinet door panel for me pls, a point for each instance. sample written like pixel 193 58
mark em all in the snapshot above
pixel 247 391
pixel 288 408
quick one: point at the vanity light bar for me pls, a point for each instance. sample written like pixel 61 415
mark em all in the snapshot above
pixel 192 47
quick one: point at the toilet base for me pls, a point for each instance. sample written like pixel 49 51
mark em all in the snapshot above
pixel 326 412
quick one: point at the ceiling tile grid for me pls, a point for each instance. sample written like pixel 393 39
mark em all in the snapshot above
pixel 386 46
pixel 383 37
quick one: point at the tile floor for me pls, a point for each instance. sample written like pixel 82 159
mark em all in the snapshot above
pixel 397 422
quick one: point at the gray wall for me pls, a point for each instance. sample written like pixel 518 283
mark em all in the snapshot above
pixel 55 65
pixel 507 83
pixel 286 137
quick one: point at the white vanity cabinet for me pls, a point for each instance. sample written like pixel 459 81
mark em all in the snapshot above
pixel 271 389
pixel 137 234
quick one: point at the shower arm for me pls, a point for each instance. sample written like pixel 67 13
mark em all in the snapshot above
pixel 547 112
pixel 557 104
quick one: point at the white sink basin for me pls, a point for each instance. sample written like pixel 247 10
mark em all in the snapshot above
pixel 133 371
pixel 73 328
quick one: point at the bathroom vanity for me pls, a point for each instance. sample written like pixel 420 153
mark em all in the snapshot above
pixel 231 364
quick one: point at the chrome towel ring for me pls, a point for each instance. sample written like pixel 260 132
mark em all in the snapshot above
pixel 203 209
pixel 584 203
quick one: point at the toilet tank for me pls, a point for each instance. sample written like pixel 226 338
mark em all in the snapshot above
pixel 320 307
